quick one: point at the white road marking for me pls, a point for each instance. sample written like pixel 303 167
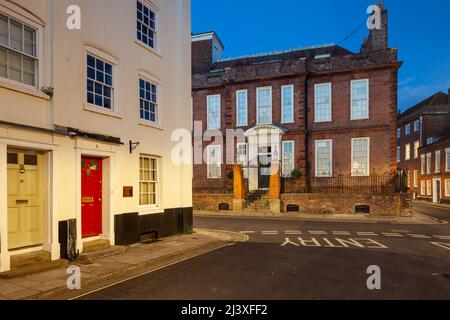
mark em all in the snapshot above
pixel 419 236
pixel 443 237
pixel 445 246
pixel 367 234
pixel 318 232
pixel 292 232
pixel 334 243
pixel 248 232
pixel 267 233
pixel 341 233
pixel 389 234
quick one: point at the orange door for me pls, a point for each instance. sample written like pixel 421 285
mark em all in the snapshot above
pixel 91 197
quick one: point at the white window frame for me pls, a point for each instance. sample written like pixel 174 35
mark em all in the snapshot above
pixel 368 157
pixel 399 154
pixel 416 181
pixel 143 121
pixel 27 18
pixel 437 161
pixel 423 165
pixel 408 179
pixel 407 152
pixel 368 99
pixel 330 107
pixel 428 163
pixel 447 187
pixel 208 125
pixel 115 109
pixel 238 122
pixel 283 120
pixel 316 158
pixel 416 149
pixel 209 162
pixel 284 143
pixel 423 188
pixel 447 158
pixel 429 188
pixel 258 105
pixel 417 126
pixel 246 153
pixel 151 6
pixel 408 129
pixel 157 183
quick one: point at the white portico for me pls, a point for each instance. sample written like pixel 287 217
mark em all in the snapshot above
pixel 264 154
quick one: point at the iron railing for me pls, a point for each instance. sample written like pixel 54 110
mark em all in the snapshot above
pixel 385 184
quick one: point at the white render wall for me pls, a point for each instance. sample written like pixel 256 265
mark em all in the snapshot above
pixel 108 26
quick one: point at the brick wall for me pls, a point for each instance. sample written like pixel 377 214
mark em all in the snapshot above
pixel 443 174
pixel 211 202
pixel 384 205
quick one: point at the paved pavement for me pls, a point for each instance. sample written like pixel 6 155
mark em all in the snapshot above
pixel 293 259
pixel 441 212
pixel 111 265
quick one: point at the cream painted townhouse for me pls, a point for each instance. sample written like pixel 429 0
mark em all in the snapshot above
pixel 86 119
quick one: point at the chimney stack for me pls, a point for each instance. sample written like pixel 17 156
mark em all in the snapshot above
pixel 378 38
pixel 207 49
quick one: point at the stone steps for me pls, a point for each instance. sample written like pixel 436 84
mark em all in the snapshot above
pixel 22 260
pixel 31 263
pixel 95 245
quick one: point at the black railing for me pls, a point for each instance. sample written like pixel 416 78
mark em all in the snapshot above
pixel 386 184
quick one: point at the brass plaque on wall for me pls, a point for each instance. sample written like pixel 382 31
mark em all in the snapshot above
pixel 128 192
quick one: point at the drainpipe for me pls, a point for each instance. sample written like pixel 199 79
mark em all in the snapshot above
pixel 307 166
pixel 52 61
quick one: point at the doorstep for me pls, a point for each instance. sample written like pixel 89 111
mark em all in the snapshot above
pixel 417 218
pixel 106 266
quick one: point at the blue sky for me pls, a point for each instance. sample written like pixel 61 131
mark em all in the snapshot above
pixel 419 29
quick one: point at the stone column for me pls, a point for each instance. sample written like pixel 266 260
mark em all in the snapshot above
pixel 239 188
pixel 275 189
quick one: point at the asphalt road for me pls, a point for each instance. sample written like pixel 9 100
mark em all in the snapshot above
pixel 433 211
pixel 291 259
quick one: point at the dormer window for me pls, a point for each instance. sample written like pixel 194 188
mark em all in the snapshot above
pixel 322 56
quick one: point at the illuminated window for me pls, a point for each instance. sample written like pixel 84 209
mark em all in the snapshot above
pixel 148 188
pixel 360 156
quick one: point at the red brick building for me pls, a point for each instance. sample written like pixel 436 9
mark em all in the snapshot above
pixel 434 179
pixel 331 112
pixel 418 127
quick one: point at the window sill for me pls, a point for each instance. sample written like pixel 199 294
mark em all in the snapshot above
pixel 359 119
pixel 149 124
pixel 146 210
pixel 143 45
pixel 324 121
pixel 23 88
pixel 95 109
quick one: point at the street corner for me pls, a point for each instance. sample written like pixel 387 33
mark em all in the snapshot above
pixel 224 236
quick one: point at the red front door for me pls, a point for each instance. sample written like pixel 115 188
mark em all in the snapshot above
pixel 91 197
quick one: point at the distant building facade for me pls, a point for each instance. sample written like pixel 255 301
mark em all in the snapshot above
pixel 418 127
pixel 333 112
